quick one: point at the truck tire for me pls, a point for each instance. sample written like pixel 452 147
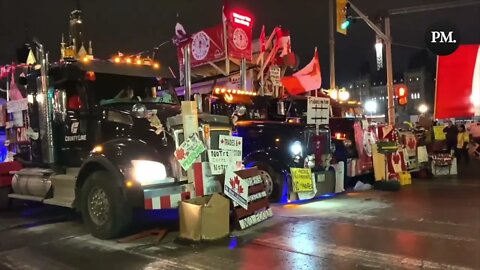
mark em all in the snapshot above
pixel 104 209
pixel 273 181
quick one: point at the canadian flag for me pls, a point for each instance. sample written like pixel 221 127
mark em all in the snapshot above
pixel 283 41
pixel 458 83
pixel 307 79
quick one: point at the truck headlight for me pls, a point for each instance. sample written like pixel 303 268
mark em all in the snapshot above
pixel 148 172
pixel 296 148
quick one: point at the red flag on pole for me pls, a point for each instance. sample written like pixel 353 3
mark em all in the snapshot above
pixel 458 83
pixel 283 41
pixel 262 39
pixel 307 79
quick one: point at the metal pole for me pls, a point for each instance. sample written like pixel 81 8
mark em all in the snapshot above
pixel 388 52
pixel 262 79
pixel 243 74
pixel 188 78
pixel 433 7
pixel 8 87
pixel 332 44
pixel 189 108
pixel 368 21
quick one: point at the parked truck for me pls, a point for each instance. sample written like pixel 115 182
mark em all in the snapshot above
pixel 104 136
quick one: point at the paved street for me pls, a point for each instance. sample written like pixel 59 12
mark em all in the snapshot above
pixel 429 225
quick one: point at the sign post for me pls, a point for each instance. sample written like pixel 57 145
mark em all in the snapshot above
pixel 318 112
pixel 189 108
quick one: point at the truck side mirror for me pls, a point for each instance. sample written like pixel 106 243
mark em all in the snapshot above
pixel 281 108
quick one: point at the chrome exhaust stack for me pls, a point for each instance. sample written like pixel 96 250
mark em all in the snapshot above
pixel 45 108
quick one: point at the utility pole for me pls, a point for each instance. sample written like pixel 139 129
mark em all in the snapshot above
pixel 433 7
pixel 332 43
pixel 387 39
pixel 388 53
pixel 189 107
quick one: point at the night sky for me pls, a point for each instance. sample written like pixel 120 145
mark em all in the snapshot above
pixel 134 26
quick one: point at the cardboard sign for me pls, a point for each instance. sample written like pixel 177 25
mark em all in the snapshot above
pixel 258 206
pixel 231 143
pixel 301 179
pixel 221 159
pixel 236 188
pixel 255 218
pixel 275 75
pixel 189 151
pixel 318 111
pixel 17 105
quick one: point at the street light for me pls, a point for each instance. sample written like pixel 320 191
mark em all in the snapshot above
pixel 343 95
pixel 422 108
pixel 371 106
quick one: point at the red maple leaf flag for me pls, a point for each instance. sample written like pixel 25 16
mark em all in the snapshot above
pixel 180 154
pixel 307 79
pixel 411 143
pixel 458 76
pixel 283 41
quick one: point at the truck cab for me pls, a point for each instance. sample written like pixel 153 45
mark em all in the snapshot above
pixel 107 134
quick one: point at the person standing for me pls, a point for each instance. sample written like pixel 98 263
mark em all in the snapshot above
pixel 451 132
pixel 463 139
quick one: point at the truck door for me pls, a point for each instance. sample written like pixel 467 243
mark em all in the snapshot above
pixel 75 126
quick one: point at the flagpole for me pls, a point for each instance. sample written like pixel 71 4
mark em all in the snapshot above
pixel 332 44
pixel 262 81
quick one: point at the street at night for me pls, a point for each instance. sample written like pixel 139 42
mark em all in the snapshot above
pixel 429 225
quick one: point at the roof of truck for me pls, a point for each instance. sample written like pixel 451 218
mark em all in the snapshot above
pixel 108 67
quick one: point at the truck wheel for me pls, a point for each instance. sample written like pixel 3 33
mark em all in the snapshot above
pixel 104 209
pixel 272 180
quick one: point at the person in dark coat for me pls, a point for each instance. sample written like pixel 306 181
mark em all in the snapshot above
pixel 451 132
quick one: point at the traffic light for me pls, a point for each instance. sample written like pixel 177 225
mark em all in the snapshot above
pixel 343 20
pixel 402 94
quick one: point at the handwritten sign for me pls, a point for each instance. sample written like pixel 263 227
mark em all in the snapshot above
pixel 189 151
pixel 301 179
pixel 258 208
pixel 275 75
pixel 17 105
pixel 231 143
pixel 318 111
pixel 220 159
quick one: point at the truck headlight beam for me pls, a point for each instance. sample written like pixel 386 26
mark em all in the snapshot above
pixel 147 172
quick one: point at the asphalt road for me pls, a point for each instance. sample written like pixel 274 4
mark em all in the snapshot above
pixel 428 225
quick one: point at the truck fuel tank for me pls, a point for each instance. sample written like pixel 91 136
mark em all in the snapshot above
pixel 32 182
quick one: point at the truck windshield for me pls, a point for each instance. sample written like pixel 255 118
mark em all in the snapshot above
pixel 111 89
